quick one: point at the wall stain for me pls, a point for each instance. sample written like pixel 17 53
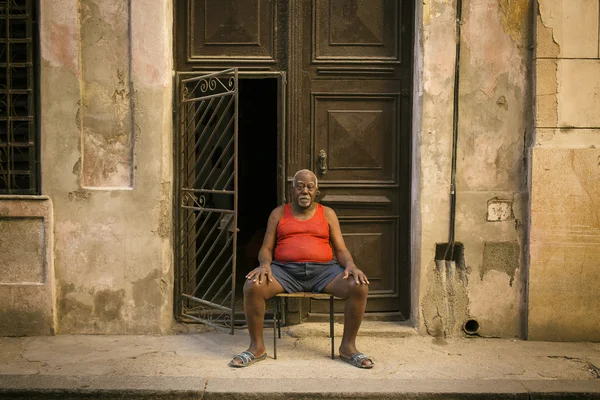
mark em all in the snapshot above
pixel 70 307
pixel 502 103
pixel 22 322
pixel 62 46
pixel 77 167
pixel 164 218
pixel 79 195
pixel 445 304
pixel 78 116
pixel 108 304
pixel 147 291
pixel 515 17
pixel 501 256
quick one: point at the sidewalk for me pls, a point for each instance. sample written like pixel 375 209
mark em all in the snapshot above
pixel 193 365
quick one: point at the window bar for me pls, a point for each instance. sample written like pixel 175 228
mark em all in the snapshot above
pixel 19 150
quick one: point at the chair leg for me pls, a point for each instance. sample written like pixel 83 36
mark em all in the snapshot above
pixel 275 330
pixel 283 315
pixel 331 321
pixel 279 312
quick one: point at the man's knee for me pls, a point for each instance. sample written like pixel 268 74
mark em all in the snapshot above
pixel 357 290
pixel 254 289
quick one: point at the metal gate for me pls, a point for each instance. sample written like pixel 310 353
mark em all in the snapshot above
pixel 206 198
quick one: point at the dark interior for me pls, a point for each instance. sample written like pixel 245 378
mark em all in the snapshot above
pixel 257 167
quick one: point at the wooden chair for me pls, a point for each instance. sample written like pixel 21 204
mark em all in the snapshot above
pixel 278 311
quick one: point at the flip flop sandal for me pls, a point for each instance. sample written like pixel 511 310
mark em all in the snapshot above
pixel 247 359
pixel 357 360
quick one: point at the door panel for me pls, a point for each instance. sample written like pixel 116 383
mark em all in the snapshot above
pixel 229 33
pixel 228 29
pixel 373 243
pixel 357 135
pixel 354 31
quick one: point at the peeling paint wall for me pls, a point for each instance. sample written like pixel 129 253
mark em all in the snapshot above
pixel 565 173
pixel 494 115
pixel 106 125
pixel 105 110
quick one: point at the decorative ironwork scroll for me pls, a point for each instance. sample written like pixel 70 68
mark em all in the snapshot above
pixel 206 211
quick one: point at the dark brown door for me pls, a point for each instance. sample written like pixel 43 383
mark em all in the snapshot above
pixel 349 71
pixel 350 66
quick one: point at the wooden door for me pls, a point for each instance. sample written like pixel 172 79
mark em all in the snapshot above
pixel 349 73
pixel 350 68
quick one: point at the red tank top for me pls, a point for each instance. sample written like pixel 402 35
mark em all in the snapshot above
pixel 303 241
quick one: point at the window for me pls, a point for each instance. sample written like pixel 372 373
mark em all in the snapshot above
pixel 19 144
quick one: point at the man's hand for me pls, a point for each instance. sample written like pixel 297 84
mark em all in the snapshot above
pixel 259 273
pixel 359 276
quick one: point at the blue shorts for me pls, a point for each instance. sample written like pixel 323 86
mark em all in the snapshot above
pixel 305 276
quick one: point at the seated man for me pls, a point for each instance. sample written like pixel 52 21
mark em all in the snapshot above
pixel 296 256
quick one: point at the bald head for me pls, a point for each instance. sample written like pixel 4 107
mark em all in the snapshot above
pixel 304 173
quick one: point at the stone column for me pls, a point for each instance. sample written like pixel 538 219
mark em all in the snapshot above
pixel 564 271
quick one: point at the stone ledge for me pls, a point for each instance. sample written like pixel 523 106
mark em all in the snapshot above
pixel 146 387
pixel 23 197
pixel 368 328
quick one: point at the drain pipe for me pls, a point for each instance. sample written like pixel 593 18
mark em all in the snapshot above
pixel 447 264
pixel 449 255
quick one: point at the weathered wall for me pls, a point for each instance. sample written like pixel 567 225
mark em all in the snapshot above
pixel 565 174
pixel 106 161
pixel 494 110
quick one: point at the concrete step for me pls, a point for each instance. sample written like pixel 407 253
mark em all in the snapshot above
pixel 379 329
pixel 170 388
pixel 38 387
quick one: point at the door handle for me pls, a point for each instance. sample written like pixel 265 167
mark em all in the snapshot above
pixel 323 162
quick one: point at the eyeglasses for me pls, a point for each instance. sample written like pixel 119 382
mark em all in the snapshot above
pixel 310 186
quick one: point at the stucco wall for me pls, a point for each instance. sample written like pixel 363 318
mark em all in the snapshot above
pixel 106 131
pixel 565 174
pixel 494 109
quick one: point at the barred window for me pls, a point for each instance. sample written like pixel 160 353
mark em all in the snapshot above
pixel 19 144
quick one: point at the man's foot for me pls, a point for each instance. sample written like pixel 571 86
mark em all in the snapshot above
pixel 245 359
pixel 357 359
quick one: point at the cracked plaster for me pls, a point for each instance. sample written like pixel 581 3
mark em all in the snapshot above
pixel 106 241
pixel 493 127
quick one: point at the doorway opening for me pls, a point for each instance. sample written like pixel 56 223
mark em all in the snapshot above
pixel 258 171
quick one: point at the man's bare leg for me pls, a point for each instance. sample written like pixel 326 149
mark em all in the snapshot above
pixel 356 302
pixel 255 296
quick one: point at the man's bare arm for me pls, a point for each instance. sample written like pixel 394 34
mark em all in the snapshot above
pixel 341 251
pixel 265 254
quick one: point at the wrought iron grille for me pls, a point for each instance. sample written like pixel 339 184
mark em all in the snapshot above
pixel 19 153
pixel 206 213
